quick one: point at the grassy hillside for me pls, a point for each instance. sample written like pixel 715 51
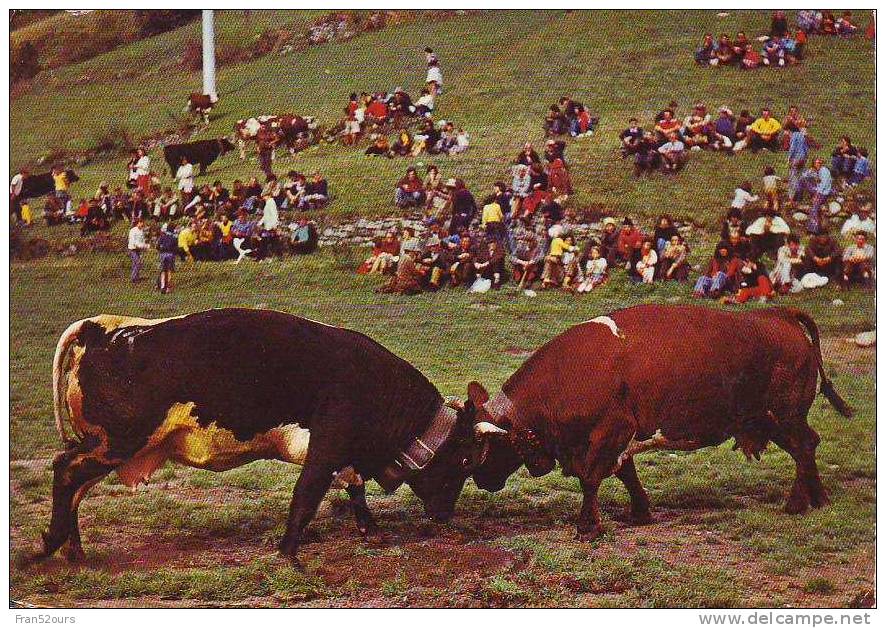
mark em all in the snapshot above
pixel 501 71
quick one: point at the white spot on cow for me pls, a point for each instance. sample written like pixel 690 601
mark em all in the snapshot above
pixel 605 320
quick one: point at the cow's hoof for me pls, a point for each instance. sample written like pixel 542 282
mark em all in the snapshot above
pixel 642 518
pixel 75 554
pixel 589 535
pixel 367 528
pixel 820 499
pixel 796 506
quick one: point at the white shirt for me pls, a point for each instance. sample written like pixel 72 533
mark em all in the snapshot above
pixel 672 147
pixel 435 74
pixel 742 198
pixel 143 166
pixel 854 223
pixel 137 240
pixel 270 216
pixel 15 186
pixel 185 176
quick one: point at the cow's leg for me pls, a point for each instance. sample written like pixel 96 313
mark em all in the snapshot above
pixel 75 471
pixel 202 168
pixel 365 522
pixel 607 440
pixel 639 499
pixel 242 146
pixel 800 441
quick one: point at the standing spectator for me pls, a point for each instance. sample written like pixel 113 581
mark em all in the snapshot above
pixel 62 185
pixel 265 141
pixel 464 207
pixel 167 245
pixel 823 188
pixel 862 169
pixel 143 171
pixel 434 77
pixel 492 220
pixel 798 151
pixel 136 246
pixel 185 177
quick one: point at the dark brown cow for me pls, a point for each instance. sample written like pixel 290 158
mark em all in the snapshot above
pixel 659 377
pixel 221 388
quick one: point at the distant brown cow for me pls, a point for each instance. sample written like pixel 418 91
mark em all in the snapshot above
pixel 659 377
pixel 201 104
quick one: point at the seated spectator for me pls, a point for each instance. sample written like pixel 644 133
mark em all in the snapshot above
pixel 667 126
pixel 843 158
pixel 95 219
pixel 631 138
pixel 674 260
pixel 734 224
pixel 647 263
pixel 725 51
pixel 629 240
pixel 376 111
pixel 448 139
pixel 827 25
pixel 555 122
pixel 526 261
pixel 706 54
pixel 673 154
pixel 462 142
pixel 808 20
pixel 858 262
pixel 303 240
pixel 408 277
pixel 696 128
pixel 609 241
pixel 723 131
pixel 538 190
pixel 493 221
pixel 743 196
pixel 241 232
pixel 435 263
pixel 664 231
pixel 295 190
pixel 751 60
pixel 596 271
pixel 464 206
pixel 553 274
pixel 779 25
pixel 584 123
pixel 823 257
pixel 719 276
pixel 521 186
pixel 224 246
pixel 435 194
pixel 764 132
pixel 187 240
pixel 554 150
pixel 384 256
pixel 410 190
pixel 316 192
pixel 647 158
pixel 424 106
pixel 788 265
pixel 527 156
pixel 773 53
pixel 753 282
pixel 862 168
pixel 379 146
pixel 492 267
pixel 403 145
pixel 742 124
pixel 462 271
pixel 845 26
pixel 860 220
pixel 767 233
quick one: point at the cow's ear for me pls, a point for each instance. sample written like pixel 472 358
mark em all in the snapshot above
pixel 477 393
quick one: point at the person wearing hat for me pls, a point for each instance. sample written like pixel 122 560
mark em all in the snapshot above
pixel 167 245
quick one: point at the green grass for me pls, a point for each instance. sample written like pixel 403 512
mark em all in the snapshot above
pixel 720 537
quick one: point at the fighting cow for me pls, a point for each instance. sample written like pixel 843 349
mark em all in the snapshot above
pixel 201 105
pixel 202 152
pixel 287 129
pixel 657 377
pixel 37 185
pixel 221 388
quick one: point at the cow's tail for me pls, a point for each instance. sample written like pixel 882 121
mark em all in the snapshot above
pixel 827 386
pixel 68 338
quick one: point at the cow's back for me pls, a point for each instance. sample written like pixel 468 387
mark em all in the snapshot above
pixel 246 371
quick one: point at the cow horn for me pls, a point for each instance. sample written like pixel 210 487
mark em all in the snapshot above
pixel 485 427
pixel 455 403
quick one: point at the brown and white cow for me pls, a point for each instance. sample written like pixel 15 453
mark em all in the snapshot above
pixel 659 377
pixel 201 105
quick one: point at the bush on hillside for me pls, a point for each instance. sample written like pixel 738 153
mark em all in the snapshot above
pixel 19 18
pixel 155 22
pixel 23 62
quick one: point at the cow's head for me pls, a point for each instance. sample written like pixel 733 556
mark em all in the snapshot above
pixel 440 484
pixel 504 455
pixel 225 145
pixel 311 121
pixel 71 175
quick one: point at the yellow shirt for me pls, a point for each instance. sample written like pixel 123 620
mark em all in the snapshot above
pixel 559 246
pixel 492 213
pixel 225 228
pixel 186 239
pixel 61 182
pixel 766 127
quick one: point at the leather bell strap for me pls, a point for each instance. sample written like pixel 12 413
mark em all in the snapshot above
pixel 420 451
